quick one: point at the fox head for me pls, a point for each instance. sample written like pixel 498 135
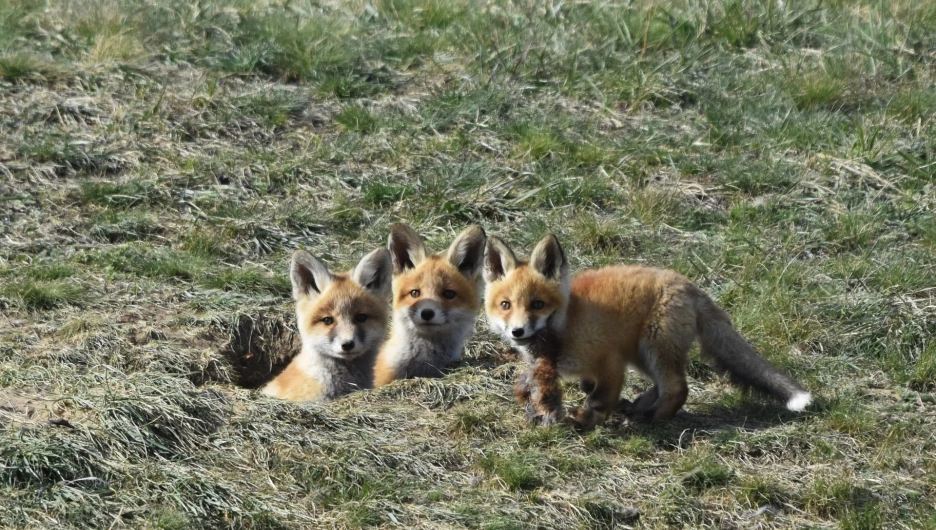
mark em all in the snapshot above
pixel 341 316
pixel 436 294
pixel 523 298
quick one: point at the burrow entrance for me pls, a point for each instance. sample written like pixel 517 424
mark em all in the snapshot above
pixel 259 348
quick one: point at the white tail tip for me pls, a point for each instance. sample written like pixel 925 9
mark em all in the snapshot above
pixel 799 401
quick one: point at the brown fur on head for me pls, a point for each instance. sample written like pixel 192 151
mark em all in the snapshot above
pixel 433 292
pixel 525 297
pixel 341 315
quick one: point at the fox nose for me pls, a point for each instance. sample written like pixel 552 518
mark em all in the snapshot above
pixel 517 332
pixel 427 314
pixel 347 346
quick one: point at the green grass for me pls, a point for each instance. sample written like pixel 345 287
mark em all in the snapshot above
pixel 42 294
pixel 159 163
pixel 516 471
pixel 701 472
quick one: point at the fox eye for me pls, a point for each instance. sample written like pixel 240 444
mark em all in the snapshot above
pixel 414 293
pixel 538 304
pixel 328 321
pixel 505 305
pixel 448 293
pixel 360 317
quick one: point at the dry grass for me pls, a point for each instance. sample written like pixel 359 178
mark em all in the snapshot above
pixel 160 160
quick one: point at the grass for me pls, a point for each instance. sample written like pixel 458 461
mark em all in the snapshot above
pixel 159 163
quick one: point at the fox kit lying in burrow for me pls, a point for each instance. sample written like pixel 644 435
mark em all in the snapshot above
pixel 342 320
pixel 436 300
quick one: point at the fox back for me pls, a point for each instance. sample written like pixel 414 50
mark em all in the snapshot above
pixel 342 321
pixel 436 299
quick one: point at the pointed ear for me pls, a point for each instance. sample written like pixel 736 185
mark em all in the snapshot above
pixel 499 260
pixel 467 251
pixel 549 260
pixel 406 247
pixel 375 272
pixel 309 275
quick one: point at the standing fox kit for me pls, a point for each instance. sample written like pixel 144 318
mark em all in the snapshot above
pixel 342 320
pixel 436 299
pixel 592 327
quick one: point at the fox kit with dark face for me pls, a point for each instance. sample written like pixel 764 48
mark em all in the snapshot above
pixel 436 299
pixel 342 320
pixel 592 327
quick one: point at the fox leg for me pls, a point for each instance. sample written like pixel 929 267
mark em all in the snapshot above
pixel 667 396
pixel 602 399
pixel 642 404
pixel 663 350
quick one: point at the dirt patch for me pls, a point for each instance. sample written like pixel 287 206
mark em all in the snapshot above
pixel 259 348
pixel 23 411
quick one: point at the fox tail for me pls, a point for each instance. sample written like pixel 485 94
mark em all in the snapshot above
pixel 733 355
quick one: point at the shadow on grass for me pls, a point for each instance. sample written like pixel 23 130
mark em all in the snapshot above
pixel 711 422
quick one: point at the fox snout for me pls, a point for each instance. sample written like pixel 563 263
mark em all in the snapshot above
pixel 427 312
pixel 347 340
pixel 519 331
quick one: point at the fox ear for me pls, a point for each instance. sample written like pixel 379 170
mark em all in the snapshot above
pixel 374 272
pixel 499 260
pixel 407 249
pixel 549 260
pixel 309 275
pixel 467 251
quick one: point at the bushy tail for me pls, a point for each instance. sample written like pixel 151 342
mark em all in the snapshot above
pixel 733 355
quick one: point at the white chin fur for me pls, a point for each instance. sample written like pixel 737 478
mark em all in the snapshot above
pixel 799 401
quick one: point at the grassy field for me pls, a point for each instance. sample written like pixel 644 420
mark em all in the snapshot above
pixel 161 159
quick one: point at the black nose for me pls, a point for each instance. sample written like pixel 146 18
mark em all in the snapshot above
pixel 347 346
pixel 517 332
pixel 427 314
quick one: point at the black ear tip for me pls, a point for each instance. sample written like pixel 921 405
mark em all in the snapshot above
pixel 397 228
pixel 554 239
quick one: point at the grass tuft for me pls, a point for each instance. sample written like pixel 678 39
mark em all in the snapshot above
pixel 516 471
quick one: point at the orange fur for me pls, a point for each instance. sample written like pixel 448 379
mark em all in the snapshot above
pixel 432 277
pixel 383 372
pixel 294 385
pixel 333 311
pixel 608 319
pixel 444 286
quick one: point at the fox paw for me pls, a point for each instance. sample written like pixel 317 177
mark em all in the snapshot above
pixel 553 417
pixel 583 419
pixel 578 418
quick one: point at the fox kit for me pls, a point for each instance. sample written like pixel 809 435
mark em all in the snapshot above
pixel 436 299
pixel 592 327
pixel 342 320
